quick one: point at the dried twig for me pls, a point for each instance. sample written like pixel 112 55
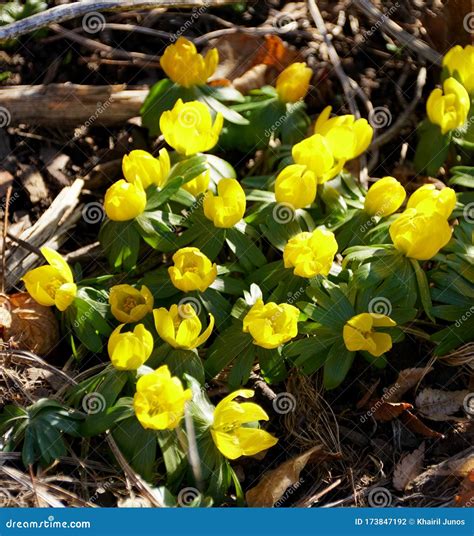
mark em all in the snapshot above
pixel 397 32
pixel 4 242
pixel 65 12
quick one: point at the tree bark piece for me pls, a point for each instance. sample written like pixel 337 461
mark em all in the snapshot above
pixel 72 105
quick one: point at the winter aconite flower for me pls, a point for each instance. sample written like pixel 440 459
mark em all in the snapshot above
pixel 180 327
pixel 271 324
pixel 448 107
pixel 231 436
pixel 129 350
pixel 199 184
pixel 295 185
pixel 182 63
pixel 310 254
pixel 143 168
pixel 227 207
pixel 429 199
pixel 384 197
pixel 52 284
pixel 129 304
pixel 189 129
pixel 192 270
pixel 347 136
pixel 460 64
pixel 418 235
pixel 124 201
pixel 358 334
pixel 160 399
pixel 292 84
pixel 316 154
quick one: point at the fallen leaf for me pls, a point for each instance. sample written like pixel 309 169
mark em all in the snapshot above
pixel 407 379
pixel 413 423
pixel 387 411
pixel 408 468
pixel 465 496
pixel 32 326
pixel 367 396
pixel 438 405
pixel 239 53
pixel 274 483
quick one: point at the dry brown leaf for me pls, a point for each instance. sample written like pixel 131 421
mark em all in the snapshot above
pixel 32 326
pixel 438 405
pixel 408 467
pixel 465 496
pixel 364 401
pixel 413 423
pixel 407 379
pixel 387 411
pixel 239 53
pixel 274 483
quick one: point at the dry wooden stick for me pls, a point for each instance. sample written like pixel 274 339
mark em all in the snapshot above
pixel 397 32
pixel 333 56
pixel 4 242
pixel 65 12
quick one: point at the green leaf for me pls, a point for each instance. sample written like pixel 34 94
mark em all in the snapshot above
pixel 272 365
pixel 121 243
pixel 242 367
pixel 181 362
pixel 98 423
pixel 231 115
pixel 432 149
pixel 247 253
pixel 423 288
pixel 338 364
pixel 217 305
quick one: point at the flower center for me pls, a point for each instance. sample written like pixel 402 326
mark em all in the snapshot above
pixel 129 304
pixel 52 287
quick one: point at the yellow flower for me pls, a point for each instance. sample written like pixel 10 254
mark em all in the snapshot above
pixel 228 207
pixel 310 253
pixel 182 63
pixel 348 137
pixel 124 201
pixel 129 304
pixel 419 235
pixel 231 436
pixel 316 154
pixel 295 185
pixel 188 127
pixel 160 400
pixel 142 168
pixel 192 270
pixel 292 84
pixel 461 61
pixel 384 197
pixel 449 107
pixel 271 325
pixel 180 327
pixel 358 334
pixel 52 284
pixel 429 199
pixel 199 184
pixel 129 350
